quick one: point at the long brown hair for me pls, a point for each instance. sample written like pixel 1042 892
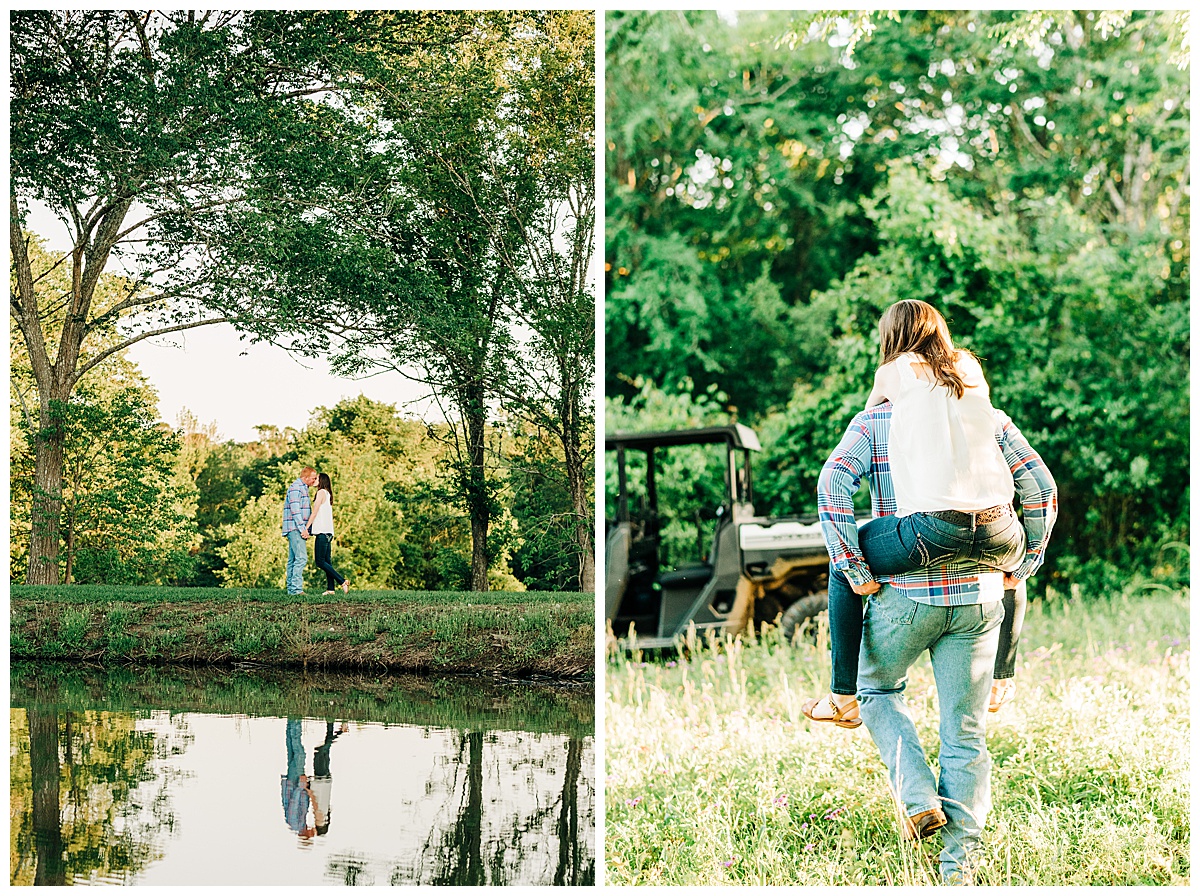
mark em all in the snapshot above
pixel 324 483
pixel 915 326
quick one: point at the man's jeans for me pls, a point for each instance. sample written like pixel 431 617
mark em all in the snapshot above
pixel 297 560
pixel 962 649
pixel 895 544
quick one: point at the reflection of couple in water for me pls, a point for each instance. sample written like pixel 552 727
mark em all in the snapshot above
pixel 299 790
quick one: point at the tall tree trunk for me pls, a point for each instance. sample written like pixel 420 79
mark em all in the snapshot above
pixel 583 506
pixel 478 501
pixel 47 819
pixel 47 497
pixel 56 379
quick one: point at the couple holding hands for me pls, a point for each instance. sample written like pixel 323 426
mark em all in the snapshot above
pixel 302 519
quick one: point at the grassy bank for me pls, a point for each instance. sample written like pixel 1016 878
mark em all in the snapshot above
pixel 507 633
pixel 714 775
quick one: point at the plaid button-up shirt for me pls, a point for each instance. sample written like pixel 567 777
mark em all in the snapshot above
pixel 296 507
pixel 863 451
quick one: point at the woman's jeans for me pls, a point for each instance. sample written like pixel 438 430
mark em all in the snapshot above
pixel 324 553
pixel 893 545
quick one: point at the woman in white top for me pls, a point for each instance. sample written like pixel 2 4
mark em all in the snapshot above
pixel 321 525
pixel 954 490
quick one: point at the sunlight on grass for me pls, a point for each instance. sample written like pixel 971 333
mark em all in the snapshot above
pixel 715 776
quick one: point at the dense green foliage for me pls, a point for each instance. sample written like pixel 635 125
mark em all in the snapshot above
pixel 775 184
pixel 127 508
pixel 155 506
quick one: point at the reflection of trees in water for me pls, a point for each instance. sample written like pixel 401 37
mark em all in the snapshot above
pixel 459 850
pixel 79 807
pixel 570 857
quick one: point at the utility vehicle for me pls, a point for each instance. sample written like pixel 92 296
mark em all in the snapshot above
pixel 741 567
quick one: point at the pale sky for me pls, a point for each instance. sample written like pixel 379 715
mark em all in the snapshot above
pixel 219 378
pixel 237 385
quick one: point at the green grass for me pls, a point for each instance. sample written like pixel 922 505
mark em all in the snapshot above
pixel 154 594
pixel 513 633
pixel 714 776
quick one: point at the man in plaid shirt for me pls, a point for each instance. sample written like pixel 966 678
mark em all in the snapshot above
pixel 953 610
pixel 296 510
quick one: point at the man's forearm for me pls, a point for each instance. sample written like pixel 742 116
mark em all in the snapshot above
pixel 1038 494
pixel 836 487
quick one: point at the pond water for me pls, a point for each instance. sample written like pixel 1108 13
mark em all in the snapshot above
pixel 253 777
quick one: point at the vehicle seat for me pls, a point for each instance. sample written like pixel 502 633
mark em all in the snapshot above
pixel 691 576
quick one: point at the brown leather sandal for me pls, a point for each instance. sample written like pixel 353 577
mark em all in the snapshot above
pixel 839 715
pixel 997 698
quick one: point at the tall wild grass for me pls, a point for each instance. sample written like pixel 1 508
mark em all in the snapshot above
pixel 714 776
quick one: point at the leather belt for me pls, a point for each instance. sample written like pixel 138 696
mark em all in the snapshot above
pixel 971 520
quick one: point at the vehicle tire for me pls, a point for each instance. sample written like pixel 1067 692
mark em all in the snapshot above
pixel 803 611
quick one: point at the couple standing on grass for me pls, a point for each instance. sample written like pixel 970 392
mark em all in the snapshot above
pixel 942 567
pixel 301 519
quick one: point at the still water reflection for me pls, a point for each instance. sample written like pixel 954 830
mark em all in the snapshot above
pixel 156 778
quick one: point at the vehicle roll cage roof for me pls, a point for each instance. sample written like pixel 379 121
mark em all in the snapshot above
pixel 735 435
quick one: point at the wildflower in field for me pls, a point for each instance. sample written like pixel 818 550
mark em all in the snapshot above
pixel 809 847
pixel 728 863
pixel 781 800
pixel 672 664
pixel 633 802
pixel 803 826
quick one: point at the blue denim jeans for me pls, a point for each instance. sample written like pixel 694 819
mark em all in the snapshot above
pixel 297 560
pixel 962 650
pixel 898 544
pixel 323 557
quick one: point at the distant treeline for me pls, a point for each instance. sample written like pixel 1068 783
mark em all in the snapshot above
pixel 148 504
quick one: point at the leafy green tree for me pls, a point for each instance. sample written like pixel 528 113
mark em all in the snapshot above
pixel 126 516
pixel 139 130
pixel 549 379
pixel 730 147
pixel 427 259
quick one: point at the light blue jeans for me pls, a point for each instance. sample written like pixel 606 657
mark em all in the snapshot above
pixel 962 644
pixel 297 560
